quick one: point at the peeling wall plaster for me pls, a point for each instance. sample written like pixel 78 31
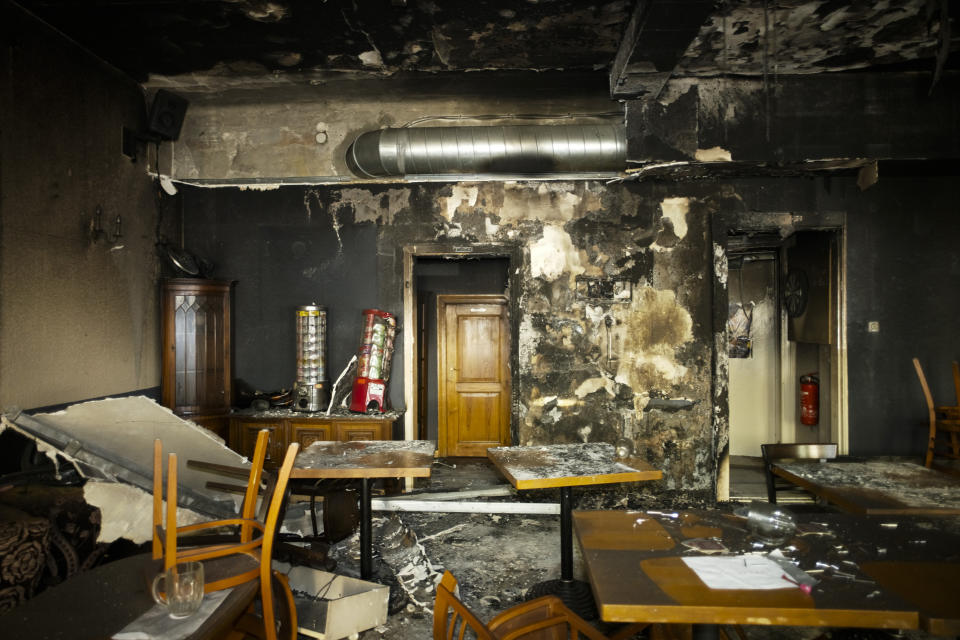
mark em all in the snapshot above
pixel 554 255
pixel 374 207
pixel 577 378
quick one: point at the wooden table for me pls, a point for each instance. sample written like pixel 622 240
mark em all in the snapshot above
pixel 565 466
pixel 98 603
pixel 905 569
pixel 365 460
pixel 876 487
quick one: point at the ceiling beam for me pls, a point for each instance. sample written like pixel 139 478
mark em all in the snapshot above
pixel 656 37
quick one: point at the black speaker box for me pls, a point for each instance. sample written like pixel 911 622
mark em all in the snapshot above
pixel 166 115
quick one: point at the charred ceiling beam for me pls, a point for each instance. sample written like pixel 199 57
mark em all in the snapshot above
pixel 656 37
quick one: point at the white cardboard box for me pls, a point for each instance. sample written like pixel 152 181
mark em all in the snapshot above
pixel 339 606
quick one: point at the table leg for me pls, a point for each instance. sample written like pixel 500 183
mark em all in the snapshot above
pixel 705 632
pixel 366 542
pixel 566 534
pixel 576 594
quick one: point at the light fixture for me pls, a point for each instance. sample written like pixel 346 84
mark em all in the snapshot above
pixel 97 233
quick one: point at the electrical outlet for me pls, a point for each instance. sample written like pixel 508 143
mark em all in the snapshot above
pixel 873 326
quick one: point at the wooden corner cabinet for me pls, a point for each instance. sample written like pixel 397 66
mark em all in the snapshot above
pixel 196 377
pixel 287 427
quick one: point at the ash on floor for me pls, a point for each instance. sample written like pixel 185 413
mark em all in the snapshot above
pixel 495 558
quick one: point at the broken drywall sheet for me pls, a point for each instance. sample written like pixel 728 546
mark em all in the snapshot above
pixel 112 439
pixel 127 511
pixel 128 427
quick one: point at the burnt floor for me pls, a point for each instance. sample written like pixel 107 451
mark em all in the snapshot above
pixel 495 557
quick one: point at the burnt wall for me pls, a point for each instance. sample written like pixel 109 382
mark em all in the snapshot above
pixel 587 367
pixel 649 367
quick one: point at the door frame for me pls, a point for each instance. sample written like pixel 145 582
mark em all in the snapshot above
pixel 721 226
pixel 443 300
pixel 514 253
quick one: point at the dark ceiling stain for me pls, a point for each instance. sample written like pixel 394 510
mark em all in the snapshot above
pixel 143 37
pixel 385 37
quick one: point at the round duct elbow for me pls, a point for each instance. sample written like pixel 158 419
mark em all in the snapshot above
pixel 526 149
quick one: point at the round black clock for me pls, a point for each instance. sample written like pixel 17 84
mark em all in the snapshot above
pixel 795 289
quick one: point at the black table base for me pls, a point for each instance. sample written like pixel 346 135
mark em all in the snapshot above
pixel 576 594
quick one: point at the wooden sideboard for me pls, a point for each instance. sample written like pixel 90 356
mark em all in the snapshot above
pixel 303 428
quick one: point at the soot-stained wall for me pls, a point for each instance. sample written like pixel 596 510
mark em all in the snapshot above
pixel 576 378
pixel 655 372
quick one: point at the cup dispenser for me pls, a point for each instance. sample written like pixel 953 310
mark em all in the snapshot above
pixel 311 390
pixel 373 362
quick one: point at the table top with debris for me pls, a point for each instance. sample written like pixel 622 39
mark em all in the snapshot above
pixel 894 571
pixel 365 459
pixel 877 487
pixel 568 465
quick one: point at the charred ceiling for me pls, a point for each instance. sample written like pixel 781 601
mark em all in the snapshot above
pixel 645 41
pixel 145 37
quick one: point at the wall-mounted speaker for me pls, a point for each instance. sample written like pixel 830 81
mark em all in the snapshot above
pixel 166 115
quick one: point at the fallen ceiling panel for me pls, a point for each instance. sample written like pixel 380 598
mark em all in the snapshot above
pixel 112 441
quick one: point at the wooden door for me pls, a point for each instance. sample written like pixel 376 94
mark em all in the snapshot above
pixel 473 374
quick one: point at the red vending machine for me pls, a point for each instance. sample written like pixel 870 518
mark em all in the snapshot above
pixel 373 362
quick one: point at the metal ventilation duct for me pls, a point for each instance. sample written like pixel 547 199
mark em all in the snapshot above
pixel 522 149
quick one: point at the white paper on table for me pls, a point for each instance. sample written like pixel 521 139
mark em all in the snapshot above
pixel 739 572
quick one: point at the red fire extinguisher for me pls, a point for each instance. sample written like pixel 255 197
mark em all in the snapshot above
pixel 809 399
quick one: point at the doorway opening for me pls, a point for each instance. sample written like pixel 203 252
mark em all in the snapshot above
pixel 458 332
pixel 785 338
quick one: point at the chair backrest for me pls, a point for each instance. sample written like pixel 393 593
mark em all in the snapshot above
pixel 798 451
pixel 923 385
pixel 943 417
pixel 451 618
pixel 792 451
pixel 271 525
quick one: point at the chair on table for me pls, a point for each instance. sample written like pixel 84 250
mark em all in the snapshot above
pixel 232 563
pixel 791 451
pixel 165 538
pixel 545 618
pixel 944 437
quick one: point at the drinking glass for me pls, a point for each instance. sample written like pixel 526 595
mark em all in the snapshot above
pixel 183 589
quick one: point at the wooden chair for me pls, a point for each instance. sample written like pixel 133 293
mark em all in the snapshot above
pixel 545 618
pixel 944 435
pixel 234 562
pixel 165 538
pixel 791 451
